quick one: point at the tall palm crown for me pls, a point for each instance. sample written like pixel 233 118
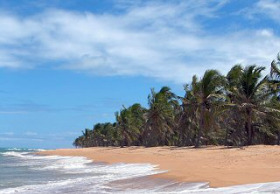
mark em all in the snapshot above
pixel 249 92
pixel 130 121
pixel 201 98
pixel 160 117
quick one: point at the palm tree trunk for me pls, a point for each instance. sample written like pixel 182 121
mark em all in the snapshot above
pixel 226 137
pixel 249 127
pixel 197 144
pixel 183 138
pixel 201 126
pixel 278 138
pixel 123 139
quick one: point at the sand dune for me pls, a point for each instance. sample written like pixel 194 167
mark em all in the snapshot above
pixel 219 166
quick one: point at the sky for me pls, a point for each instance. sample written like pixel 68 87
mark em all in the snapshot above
pixel 67 65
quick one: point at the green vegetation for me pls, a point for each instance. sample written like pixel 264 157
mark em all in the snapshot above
pixel 241 108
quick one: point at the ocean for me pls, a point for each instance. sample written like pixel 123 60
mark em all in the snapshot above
pixel 22 171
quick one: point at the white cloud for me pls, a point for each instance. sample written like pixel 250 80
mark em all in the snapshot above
pixel 261 8
pixel 270 8
pixel 160 40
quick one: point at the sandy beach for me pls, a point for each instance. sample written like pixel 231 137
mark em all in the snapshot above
pixel 220 166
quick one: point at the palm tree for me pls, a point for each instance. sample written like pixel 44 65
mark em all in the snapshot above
pixel 275 76
pixel 104 134
pixel 248 92
pixel 274 83
pixel 188 121
pixel 130 122
pixel 242 108
pixel 160 118
pixel 83 140
pixel 122 119
pixel 79 142
pixel 201 99
pixel 138 121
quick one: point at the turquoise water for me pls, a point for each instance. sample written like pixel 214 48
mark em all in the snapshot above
pixel 22 171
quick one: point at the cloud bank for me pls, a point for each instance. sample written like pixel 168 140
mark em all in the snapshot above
pixel 166 41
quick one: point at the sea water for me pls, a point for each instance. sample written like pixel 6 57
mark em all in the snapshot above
pixel 22 171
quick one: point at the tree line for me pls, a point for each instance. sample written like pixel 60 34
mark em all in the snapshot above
pixel 236 109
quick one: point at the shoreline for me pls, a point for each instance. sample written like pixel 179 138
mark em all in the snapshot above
pixel 218 165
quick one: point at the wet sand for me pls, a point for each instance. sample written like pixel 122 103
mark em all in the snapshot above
pixel 220 166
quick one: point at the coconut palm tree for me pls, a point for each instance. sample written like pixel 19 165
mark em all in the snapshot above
pixel 201 99
pixel 275 77
pixel 274 83
pixel 130 122
pixel 160 116
pixel 248 92
pixel 79 142
pixel 188 121
pixel 138 121
pixel 242 108
pixel 83 140
pixel 123 125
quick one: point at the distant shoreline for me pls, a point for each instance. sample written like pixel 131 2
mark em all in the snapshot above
pixel 220 166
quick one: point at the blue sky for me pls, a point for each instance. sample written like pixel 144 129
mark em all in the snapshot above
pixel 65 65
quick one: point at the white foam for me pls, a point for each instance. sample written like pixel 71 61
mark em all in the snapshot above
pixel 97 186
pixel 68 163
pixel 81 164
pixel 49 162
pixel 43 188
pixel 24 149
pixel 101 175
pixel 15 154
pixel 272 187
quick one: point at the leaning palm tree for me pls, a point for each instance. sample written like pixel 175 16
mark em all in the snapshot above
pixel 79 142
pixel 123 125
pixel 188 120
pixel 160 116
pixel 201 99
pixel 137 122
pixel 84 140
pixel 130 122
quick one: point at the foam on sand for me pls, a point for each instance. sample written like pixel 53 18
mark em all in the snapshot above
pixel 114 178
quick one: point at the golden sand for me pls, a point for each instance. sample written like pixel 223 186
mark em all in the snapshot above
pixel 219 166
